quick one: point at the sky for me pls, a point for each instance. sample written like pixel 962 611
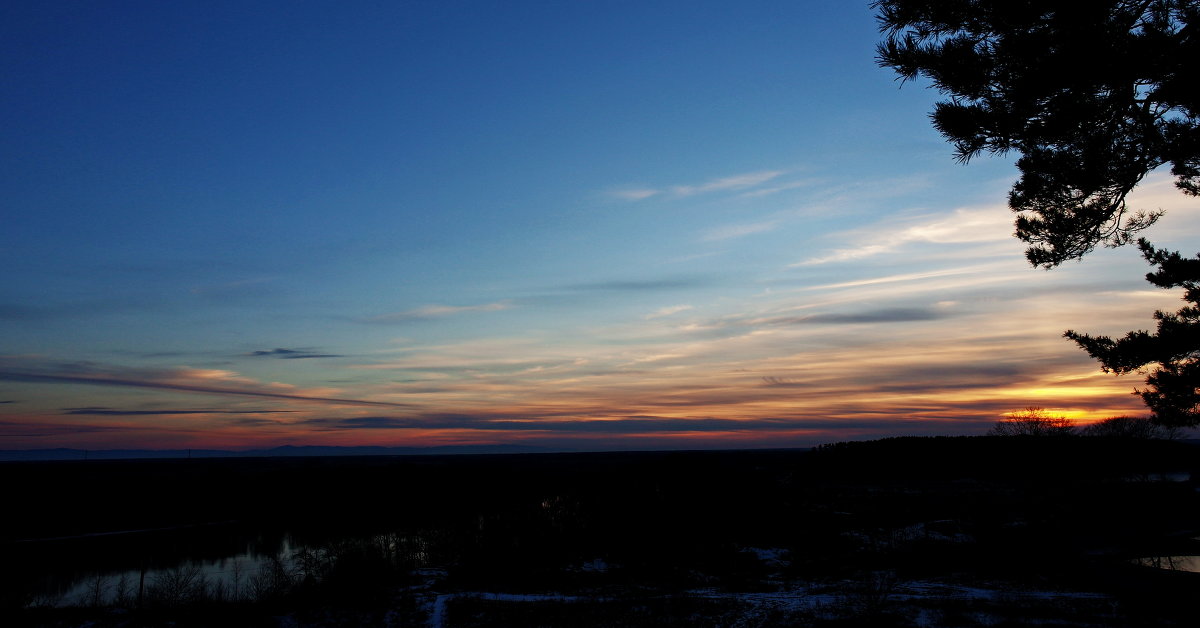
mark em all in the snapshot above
pixel 572 225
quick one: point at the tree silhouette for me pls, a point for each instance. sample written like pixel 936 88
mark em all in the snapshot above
pixel 1175 346
pixel 1129 428
pixel 1093 95
pixel 1033 421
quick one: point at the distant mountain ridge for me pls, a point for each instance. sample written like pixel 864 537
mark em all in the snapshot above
pixel 17 455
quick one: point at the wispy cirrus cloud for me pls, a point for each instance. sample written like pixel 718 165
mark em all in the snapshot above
pixel 722 184
pixel 736 182
pixel 885 315
pixel 438 311
pixel 635 194
pixel 39 428
pixel 782 187
pixel 668 311
pixel 105 411
pixel 638 424
pixel 963 226
pixel 681 282
pixel 181 379
pixel 727 232
pixel 978 270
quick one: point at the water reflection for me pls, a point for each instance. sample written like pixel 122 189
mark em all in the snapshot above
pixel 1174 563
pixel 230 578
pixel 99 569
pixel 170 567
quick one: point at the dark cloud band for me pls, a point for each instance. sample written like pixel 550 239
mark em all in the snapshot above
pixel 95 377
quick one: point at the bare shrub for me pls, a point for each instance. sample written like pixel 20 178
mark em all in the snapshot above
pixel 1033 421
pixel 235 585
pixel 1131 428
pixel 123 594
pixel 178 586
pixel 273 580
pixel 97 591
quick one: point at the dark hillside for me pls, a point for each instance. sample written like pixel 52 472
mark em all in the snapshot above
pixel 1055 514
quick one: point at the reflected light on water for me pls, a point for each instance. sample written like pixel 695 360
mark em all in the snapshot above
pixel 1174 563
pixel 234 575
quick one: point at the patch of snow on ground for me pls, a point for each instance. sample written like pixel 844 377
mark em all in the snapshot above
pixel 595 566
pixel 437 618
pixel 813 599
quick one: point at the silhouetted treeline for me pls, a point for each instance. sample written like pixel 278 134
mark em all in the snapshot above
pixel 1092 457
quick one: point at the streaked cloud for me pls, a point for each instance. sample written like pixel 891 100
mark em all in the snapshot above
pixel 782 187
pixel 182 379
pixel 668 311
pixel 727 232
pixel 888 315
pixel 736 182
pixel 635 194
pixel 909 343
pixel 621 425
pixel 679 282
pixel 905 277
pixel 103 411
pixel 963 226
pixel 43 429
pixel 291 354
pixel 722 184
pixel 439 311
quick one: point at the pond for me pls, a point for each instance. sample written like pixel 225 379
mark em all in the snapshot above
pixel 232 577
pixel 1174 563
pixel 178 565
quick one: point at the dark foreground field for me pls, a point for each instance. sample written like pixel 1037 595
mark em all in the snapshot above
pixel 902 532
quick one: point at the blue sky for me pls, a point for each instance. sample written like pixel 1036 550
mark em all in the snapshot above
pixel 579 225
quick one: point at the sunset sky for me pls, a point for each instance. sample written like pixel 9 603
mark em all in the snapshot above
pixel 576 225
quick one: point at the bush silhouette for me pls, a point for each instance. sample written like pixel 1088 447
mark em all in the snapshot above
pixel 1033 421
